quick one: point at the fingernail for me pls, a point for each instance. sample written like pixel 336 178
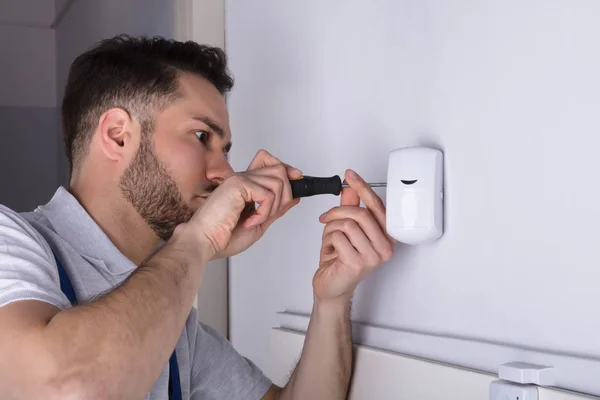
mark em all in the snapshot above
pixel 298 172
pixel 352 174
pixel 322 216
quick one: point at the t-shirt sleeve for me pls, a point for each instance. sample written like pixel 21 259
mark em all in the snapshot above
pixel 27 267
pixel 219 372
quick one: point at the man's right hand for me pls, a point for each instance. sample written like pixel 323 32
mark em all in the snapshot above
pixel 228 222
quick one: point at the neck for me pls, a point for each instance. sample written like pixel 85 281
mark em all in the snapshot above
pixel 118 219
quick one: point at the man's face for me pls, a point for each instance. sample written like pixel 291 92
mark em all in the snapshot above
pixel 183 161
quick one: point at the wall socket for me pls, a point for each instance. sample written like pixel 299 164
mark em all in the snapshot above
pixel 503 390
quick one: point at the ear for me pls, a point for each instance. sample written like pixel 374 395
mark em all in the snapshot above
pixel 119 134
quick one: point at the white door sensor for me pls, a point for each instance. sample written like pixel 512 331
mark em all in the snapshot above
pixel 527 373
pixel 415 211
pixel 502 390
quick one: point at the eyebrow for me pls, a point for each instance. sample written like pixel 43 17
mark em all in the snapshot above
pixel 213 125
pixel 217 129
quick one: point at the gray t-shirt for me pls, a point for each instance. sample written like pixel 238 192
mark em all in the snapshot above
pixel 210 368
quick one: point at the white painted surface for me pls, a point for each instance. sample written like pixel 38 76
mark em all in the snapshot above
pixel 34 13
pixel 208 22
pixel 556 394
pixel 570 372
pixel 212 300
pixel 384 375
pixel 508 90
pixel 202 21
pixel 27 67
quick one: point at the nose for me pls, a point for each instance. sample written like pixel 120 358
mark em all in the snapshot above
pixel 218 170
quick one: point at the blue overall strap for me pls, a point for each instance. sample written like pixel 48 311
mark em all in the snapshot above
pixel 65 282
pixel 67 288
pixel 174 384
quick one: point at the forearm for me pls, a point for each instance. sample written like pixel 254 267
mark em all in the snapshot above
pixel 116 346
pixel 325 365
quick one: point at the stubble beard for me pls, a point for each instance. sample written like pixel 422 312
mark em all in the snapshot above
pixel 153 192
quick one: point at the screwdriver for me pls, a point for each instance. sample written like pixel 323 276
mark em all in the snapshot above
pixel 311 186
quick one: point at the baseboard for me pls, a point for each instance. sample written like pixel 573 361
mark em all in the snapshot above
pixel 385 375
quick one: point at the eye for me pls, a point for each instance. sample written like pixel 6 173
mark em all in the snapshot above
pixel 202 136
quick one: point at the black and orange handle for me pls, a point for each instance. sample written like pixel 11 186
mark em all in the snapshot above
pixel 310 186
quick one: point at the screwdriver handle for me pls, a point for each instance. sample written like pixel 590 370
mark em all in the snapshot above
pixel 311 186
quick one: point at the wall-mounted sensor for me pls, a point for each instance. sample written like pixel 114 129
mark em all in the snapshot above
pixel 415 211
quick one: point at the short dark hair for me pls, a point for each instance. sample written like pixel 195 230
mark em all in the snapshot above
pixel 138 74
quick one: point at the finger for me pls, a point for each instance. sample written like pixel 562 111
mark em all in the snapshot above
pixel 293 173
pixel 367 222
pixel 327 246
pixel 349 197
pixel 287 208
pixel 328 252
pixel 264 159
pixel 346 253
pixel 358 238
pixel 273 184
pixel 280 172
pixel 371 200
pixel 252 192
pixel 248 211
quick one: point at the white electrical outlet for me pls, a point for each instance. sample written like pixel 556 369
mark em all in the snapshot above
pixel 502 390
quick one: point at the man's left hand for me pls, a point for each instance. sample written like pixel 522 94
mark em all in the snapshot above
pixel 355 241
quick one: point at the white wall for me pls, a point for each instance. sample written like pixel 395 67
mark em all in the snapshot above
pixel 27 104
pixel 510 91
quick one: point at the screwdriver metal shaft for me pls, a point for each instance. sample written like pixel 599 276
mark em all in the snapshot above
pixel 372 184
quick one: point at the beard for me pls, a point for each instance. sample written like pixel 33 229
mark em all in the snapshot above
pixel 153 192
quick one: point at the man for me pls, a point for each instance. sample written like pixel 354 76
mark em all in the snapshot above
pixel 151 200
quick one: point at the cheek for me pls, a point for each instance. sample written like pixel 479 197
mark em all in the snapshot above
pixel 185 163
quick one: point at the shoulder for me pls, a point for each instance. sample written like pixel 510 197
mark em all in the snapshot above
pixel 27 267
pixel 16 231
